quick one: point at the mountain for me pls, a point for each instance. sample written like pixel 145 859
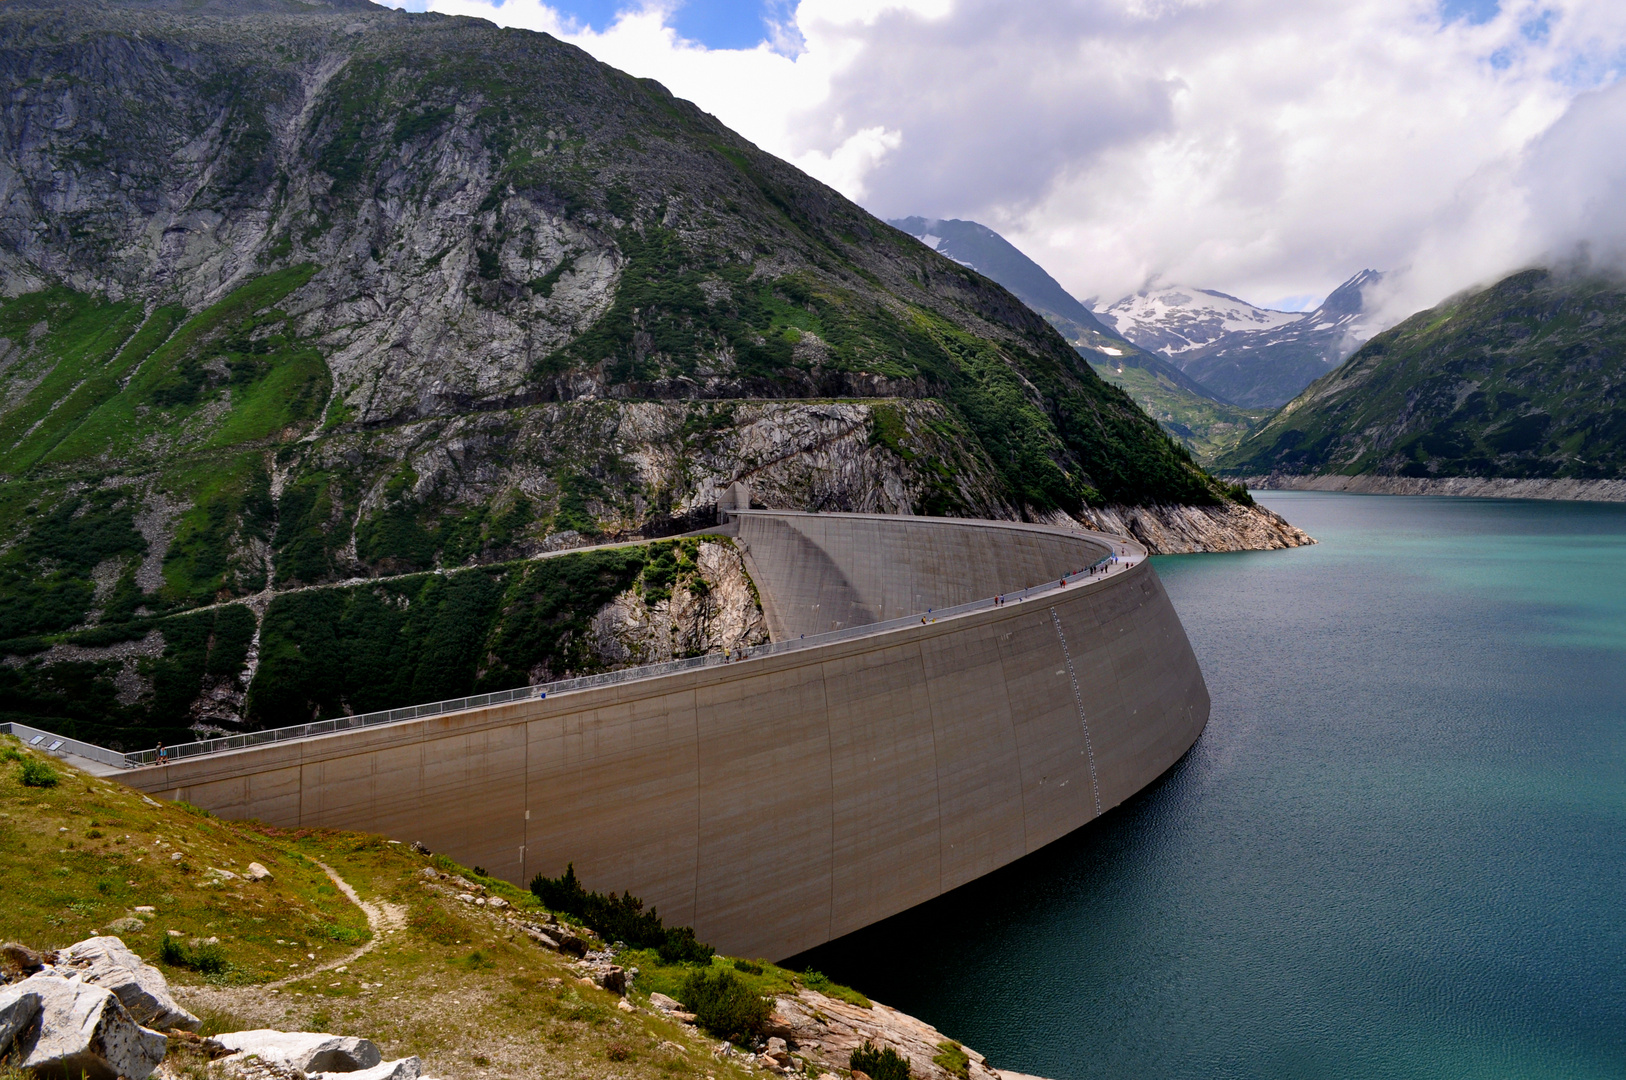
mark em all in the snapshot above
pixel 1522 379
pixel 1266 367
pixel 1204 422
pixel 1174 321
pixel 990 254
pixel 294 294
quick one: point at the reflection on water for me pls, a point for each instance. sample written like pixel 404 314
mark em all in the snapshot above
pixel 1396 851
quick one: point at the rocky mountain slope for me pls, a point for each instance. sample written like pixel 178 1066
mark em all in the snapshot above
pixel 404 963
pixel 1266 367
pixel 1522 380
pixel 299 293
pixel 1202 421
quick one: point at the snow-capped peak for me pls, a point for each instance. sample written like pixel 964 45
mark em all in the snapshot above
pixel 1175 319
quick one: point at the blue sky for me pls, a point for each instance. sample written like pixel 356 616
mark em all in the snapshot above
pixel 717 24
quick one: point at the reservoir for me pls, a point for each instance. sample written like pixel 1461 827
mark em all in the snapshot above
pixel 1398 850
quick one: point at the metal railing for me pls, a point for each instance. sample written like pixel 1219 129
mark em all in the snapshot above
pixel 560 686
pixel 60 745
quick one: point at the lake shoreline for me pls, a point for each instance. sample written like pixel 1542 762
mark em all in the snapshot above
pixel 1474 487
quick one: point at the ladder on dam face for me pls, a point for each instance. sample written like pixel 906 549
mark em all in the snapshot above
pixel 1078 699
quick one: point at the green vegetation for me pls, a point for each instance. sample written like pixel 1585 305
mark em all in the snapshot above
pixel 204 958
pixel 724 1004
pixel 35 773
pixel 620 918
pixel 1522 379
pixel 952 1058
pixel 883 1064
pixel 1202 425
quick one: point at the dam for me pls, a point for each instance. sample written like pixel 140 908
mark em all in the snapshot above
pixel 940 697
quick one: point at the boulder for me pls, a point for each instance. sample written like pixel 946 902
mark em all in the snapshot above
pixel 18 1009
pixel 418 846
pixel 23 958
pixel 407 1068
pixel 664 1003
pixel 256 872
pixel 79 1031
pixel 140 987
pixel 614 980
pixel 308 1051
pixel 571 945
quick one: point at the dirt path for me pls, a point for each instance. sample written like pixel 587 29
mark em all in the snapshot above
pixel 249 1002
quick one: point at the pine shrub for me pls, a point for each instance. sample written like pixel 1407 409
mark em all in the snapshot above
pixel 883 1064
pixel 724 1005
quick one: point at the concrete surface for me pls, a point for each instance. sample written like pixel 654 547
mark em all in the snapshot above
pixel 782 801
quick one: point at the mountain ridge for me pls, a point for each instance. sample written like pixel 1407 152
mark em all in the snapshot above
pixel 1521 380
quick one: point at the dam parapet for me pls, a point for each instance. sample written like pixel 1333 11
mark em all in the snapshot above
pixel 919 735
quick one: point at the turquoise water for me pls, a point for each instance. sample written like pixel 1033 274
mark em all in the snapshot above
pixel 1397 851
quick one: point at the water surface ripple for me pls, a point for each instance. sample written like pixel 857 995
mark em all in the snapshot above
pixel 1397 850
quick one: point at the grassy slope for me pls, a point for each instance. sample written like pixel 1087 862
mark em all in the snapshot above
pixel 1523 379
pixel 460 989
pixel 1206 427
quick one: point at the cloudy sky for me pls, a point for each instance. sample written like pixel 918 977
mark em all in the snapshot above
pixel 1267 148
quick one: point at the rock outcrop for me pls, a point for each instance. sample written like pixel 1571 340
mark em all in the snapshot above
pixel 1182 530
pixel 140 987
pixel 70 1029
pixel 308 1051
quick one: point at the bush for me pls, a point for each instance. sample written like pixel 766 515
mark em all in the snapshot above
pixel 35 773
pixel 883 1064
pixel 205 959
pixel 682 947
pixel 952 1058
pixel 747 966
pixel 620 918
pixel 724 1005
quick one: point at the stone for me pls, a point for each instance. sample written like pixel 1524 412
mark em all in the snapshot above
pixel 145 909
pixel 496 902
pixel 308 1051
pixel 673 1048
pixel 256 872
pixel 23 958
pixel 572 945
pixel 614 980
pixel 664 1003
pixel 141 988
pixel 81 1032
pixel 127 925
pixel 407 1068
pixel 221 875
pixel 418 846
pixel 859 1074
pixel 625 1006
pixel 777 1052
pixel 466 898
pixel 18 1008
pixel 540 938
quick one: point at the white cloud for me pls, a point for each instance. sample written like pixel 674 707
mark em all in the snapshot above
pixel 1263 147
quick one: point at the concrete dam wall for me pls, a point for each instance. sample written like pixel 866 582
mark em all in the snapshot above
pixel 782 801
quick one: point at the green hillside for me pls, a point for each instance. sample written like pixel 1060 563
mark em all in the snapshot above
pixel 1523 379
pixel 1205 425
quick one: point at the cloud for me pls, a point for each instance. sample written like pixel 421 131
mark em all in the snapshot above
pixel 1262 147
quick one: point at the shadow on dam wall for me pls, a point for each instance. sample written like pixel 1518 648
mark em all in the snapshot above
pixel 780 802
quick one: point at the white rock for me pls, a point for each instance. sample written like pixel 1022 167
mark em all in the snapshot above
pixel 82 1032
pixel 141 988
pixel 408 1068
pixel 309 1051
pixel 18 1007
pixel 664 1003
pixel 466 898
pixel 496 902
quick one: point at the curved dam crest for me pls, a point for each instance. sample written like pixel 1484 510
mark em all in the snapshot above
pixel 780 802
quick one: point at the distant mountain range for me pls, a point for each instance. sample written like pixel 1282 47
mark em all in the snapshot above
pixel 1248 355
pixel 1525 379
pixel 1204 422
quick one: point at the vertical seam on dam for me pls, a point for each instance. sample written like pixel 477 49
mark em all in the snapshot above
pixel 1078 699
